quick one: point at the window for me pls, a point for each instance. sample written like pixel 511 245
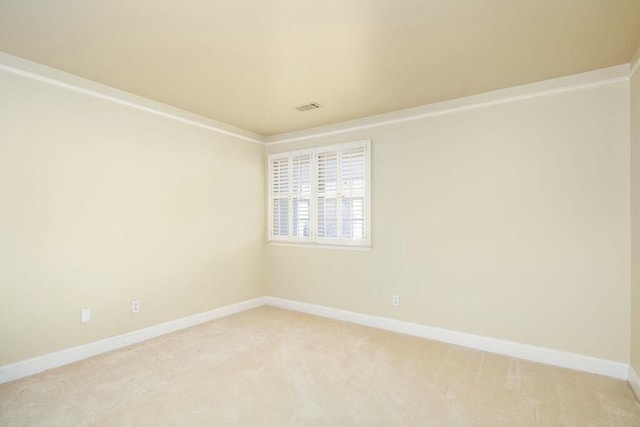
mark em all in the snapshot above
pixel 321 195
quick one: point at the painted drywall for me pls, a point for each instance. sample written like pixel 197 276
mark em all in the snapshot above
pixel 509 221
pixel 101 204
pixel 635 218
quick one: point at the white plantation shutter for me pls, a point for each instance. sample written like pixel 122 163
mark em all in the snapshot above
pixel 327 193
pixel 279 186
pixel 353 179
pixel 321 195
pixel 342 193
pixel 301 194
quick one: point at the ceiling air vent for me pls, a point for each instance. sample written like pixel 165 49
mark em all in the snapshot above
pixel 307 107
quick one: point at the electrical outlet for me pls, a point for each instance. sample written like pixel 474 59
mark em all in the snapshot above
pixel 395 300
pixel 135 306
pixel 85 315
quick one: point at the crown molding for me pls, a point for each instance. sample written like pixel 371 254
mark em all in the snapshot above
pixel 635 68
pixel 605 76
pixel 22 67
pixel 635 63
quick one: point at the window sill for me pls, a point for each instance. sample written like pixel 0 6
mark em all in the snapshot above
pixel 320 246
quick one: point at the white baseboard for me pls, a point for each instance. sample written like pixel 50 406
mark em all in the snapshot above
pixel 65 357
pixel 634 381
pixel 493 345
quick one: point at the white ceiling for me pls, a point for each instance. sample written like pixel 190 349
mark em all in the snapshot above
pixel 250 62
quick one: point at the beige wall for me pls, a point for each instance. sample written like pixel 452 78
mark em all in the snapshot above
pixel 635 219
pixel 101 204
pixel 516 222
pixel 510 221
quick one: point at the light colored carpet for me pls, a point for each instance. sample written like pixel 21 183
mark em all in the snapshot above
pixel 275 367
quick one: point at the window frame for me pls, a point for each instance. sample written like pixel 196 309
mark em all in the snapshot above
pixel 313 240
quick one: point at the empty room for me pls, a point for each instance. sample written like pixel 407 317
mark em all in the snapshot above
pixel 320 213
